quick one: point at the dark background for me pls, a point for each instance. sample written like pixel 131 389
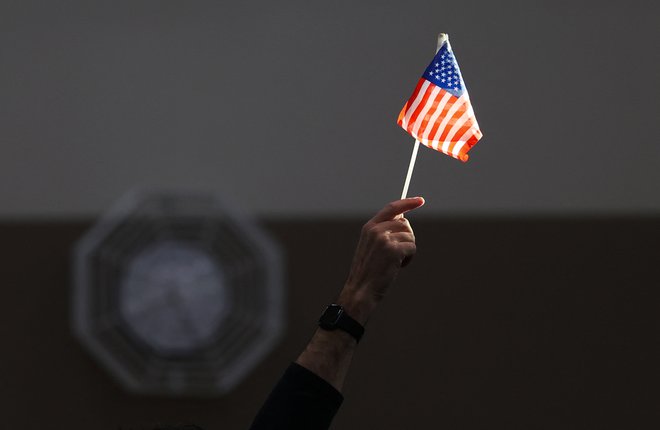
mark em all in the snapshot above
pixel 499 323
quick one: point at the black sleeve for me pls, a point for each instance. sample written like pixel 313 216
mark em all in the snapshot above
pixel 300 400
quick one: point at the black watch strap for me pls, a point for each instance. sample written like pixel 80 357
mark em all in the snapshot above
pixel 335 317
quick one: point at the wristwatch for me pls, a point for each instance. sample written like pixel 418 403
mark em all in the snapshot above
pixel 335 317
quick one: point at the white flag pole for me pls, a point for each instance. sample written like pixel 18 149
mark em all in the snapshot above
pixel 442 37
pixel 410 169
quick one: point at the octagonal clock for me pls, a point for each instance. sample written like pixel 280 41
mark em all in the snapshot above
pixel 175 294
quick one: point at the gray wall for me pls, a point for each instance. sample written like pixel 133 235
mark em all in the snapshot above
pixel 289 108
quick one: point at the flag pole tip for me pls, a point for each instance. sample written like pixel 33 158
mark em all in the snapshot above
pixel 442 39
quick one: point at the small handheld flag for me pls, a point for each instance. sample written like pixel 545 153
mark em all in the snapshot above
pixel 439 113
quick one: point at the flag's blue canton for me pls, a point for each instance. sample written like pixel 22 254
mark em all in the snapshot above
pixel 444 72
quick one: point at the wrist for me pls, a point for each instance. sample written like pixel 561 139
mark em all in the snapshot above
pixel 357 305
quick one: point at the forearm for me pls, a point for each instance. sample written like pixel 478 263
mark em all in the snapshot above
pixel 329 353
pixel 309 394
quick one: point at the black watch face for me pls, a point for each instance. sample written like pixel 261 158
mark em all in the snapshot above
pixel 331 316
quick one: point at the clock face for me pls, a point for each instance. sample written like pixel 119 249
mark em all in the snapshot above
pixel 175 293
pixel 173 297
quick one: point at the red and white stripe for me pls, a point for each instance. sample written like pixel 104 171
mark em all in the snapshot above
pixel 440 120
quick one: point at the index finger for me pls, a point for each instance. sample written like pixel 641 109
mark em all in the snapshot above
pixel 398 207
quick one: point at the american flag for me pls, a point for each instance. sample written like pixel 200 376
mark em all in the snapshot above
pixel 439 113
